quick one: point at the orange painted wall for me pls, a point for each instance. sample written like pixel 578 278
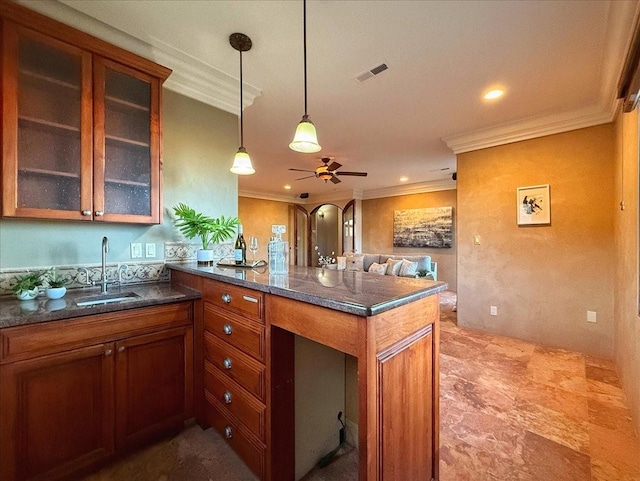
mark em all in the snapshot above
pixel 257 217
pixel 627 321
pixel 543 279
pixel 377 229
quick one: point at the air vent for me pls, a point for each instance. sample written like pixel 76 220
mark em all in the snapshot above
pixel 372 72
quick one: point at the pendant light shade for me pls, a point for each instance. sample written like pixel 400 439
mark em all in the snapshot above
pixel 305 139
pixel 242 161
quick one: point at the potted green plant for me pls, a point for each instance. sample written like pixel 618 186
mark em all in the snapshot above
pixel 55 285
pixel 27 286
pixel 210 230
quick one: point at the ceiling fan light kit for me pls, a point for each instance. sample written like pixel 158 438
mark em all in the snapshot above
pixel 329 172
pixel 241 162
pixel 305 139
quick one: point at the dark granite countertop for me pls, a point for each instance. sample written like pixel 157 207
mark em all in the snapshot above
pixel 16 313
pixel 359 293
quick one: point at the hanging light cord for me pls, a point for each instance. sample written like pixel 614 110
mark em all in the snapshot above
pixel 304 41
pixel 241 109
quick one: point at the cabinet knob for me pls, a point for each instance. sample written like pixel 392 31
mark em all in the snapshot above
pixel 226 363
pixel 121 349
pixel 227 329
pixel 108 352
pixel 228 432
pixel 226 298
pixel 99 213
pixel 227 397
pixel 86 212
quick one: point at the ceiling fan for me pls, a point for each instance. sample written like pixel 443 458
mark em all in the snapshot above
pixel 329 172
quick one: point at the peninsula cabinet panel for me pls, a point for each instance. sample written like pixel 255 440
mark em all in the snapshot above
pixel 81 127
pixel 57 414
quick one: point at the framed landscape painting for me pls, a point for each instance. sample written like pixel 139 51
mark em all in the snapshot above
pixel 430 227
pixel 534 205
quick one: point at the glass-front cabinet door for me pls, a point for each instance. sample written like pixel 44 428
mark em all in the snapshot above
pixel 81 125
pixel 46 126
pixel 126 152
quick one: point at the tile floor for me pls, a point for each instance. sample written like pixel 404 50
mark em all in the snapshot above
pixel 510 410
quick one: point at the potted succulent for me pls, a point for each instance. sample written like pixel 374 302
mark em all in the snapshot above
pixel 27 286
pixel 55 285
pixel 210 230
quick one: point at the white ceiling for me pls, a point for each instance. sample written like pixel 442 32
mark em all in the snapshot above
pixel 559 62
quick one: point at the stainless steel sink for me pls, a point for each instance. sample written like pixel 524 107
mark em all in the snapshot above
pixel 106 298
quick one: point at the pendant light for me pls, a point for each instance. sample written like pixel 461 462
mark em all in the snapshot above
pixel 242 161
pixel 305 139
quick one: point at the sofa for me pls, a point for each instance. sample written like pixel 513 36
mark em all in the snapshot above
pixel 363 262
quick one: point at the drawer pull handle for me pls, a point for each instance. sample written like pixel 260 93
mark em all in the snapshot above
pixel 99 213
pixel 227 397
pixel 86 212
pixel 226 363
pixel 227 329
pixel 228 432
pixel 250 299
pixel 121 349
pixel 226 298
pixel 108 352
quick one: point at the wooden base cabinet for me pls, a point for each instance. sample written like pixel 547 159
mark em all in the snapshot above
pixel 128 380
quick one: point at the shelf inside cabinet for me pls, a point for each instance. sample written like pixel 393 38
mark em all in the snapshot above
pixel 127 141
pixel 127 103
pixel 127 182
pixel 51 173
pixel 47 78
pixel 48 124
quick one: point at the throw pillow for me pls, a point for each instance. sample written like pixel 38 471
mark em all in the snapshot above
pixel 379 269
pixel 394 266
pixel 408 268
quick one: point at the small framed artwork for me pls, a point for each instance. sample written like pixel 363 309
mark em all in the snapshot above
pixel 534 205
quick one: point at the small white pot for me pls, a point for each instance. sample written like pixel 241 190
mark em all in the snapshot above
pixel 27 295
pixel 205 257
pixel 56 292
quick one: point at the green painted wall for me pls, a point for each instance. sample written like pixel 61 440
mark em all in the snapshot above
pixel 199 144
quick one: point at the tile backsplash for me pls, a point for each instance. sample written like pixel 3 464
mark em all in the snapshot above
pixel 129 272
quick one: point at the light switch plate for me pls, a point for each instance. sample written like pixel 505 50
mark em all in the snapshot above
pixel 150 250
pixel 136 250
pixel 476 240
pixel 592 316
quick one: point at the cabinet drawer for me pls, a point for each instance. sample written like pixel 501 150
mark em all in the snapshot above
pixel 248 336
pixel 235 400
pixel 250 450
pixel 240 300
pixel 24 342
pixel 243 369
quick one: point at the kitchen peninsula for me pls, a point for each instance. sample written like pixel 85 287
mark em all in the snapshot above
pixel 244 326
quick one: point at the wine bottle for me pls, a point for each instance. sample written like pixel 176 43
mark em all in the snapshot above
pixel 240 250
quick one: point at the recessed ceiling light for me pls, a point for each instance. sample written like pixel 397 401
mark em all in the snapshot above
pixel 493 94
pixel 404 178
pixel 287 187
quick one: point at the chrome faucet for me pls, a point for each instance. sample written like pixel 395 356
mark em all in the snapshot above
pixel 103 276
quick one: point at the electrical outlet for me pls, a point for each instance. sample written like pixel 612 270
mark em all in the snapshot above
pixel 150 250
pixel 136 250
pixel 592 316
pixel 494 310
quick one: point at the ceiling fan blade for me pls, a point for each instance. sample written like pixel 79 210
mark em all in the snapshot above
pixel 302 170
pixel 307 177
pixel 335 180
pixel 356 174
pixel 334 166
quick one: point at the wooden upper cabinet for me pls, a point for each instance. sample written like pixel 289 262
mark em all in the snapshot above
pixel 81 125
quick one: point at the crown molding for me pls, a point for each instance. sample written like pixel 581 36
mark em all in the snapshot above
pixel 417 188
pixel 288 198
pixel 528 129
pixel 191 77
